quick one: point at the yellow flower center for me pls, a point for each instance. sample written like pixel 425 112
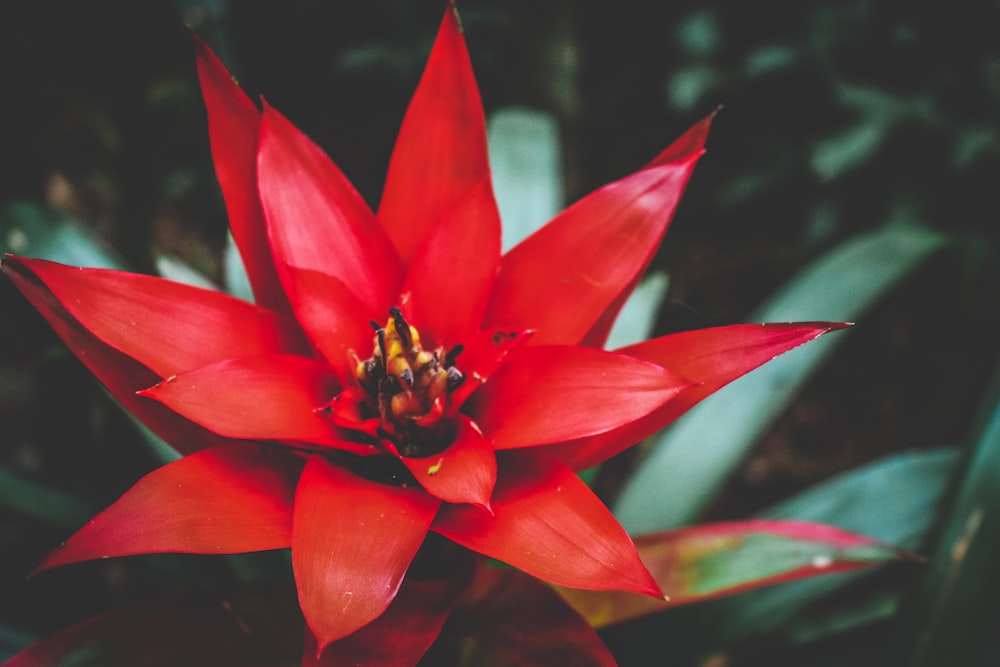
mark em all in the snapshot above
pixel 409 386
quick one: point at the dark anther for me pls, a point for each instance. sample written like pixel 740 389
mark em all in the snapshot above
pixel 375 325
pixel 402 328
pixel 449 359
pixel 380 333
pixel 455 378
pixel 407 377
pixel 389 385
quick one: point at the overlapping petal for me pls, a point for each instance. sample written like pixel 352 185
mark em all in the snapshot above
pixel 257 398
pixel 352 542
pixel 317 220
pixel 121 374
pixel 464 472
pixel 440 153
pixel 605 241
pixel 710 357
pixel 167 326
pixel 233 128
pixel 548 523
pixel 229 499
pixel 550 393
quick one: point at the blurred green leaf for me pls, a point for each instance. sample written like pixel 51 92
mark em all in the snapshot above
pixel 32 230
pixel 42 503
pixel 12 641
pixel 637 318
pixel 174 269
pixel 690 461
pixel 526 165
pixel 237 281
pixel 951 612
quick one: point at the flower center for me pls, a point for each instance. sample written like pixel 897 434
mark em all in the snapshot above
pixel 408 387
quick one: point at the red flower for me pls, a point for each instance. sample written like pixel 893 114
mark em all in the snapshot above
pixel 464 414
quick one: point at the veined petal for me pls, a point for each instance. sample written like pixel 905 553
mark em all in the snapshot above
pixel 465 472
pixel 333 317
pixel 233 129
pixel 450 279
pixel 352 542
pixel 257 398
pixel 167 326
pixel 441 150
pixel 316 219
pixel 552 393
pixel 232 498
pixel 401 635
pixel 605 241
pixel 525 620
pixel 121 374
pixel 710 357
pixel 548 523
pixel 689 144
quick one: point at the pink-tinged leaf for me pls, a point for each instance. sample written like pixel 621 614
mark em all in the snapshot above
pixel 440 153
pixel 317 220
pixel 233 498
pixel 450 278
pixel 526 621
pixel 715 560
pixel 255 626
pixel 552 393
pixel 352 542
pixel 401 635
pixel 233 129
pixel 548 523
pixel 465 472
pixel 334 319
pixel 604 241
pixel 121 374
pixel 687 146
pixel 167 326
pixel 710 357
pixel 257 398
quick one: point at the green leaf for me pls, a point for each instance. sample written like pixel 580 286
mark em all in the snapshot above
pixel 950 615
pixel 689 462
pixel 637 318
pixel 715 560
pixel 32 230
pixel 526 165
pixel 42 503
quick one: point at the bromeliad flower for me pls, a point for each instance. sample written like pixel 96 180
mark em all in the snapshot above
pixel 398 380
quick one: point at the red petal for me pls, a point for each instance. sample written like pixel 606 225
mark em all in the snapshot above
pixel 688 145
pixel 233 129
pixel 562 278
pixel 352 542
pixel 548 523
pixel 711 357
pixel 450 279
pixel 257 398
pixel 229 499
pixel 315 217
pixel 401 635
pixel 166 326
pixel 121 374
pixel 334 319
pixel 527 621
pixel 551 393
pixel 441 149
pixel 465 472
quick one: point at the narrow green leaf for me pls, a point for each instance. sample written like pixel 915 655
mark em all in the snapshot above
pixel 715 560
pixel 690 461
pixel 950 615
pixel 637 318
pixel 174 269
pixel 42 503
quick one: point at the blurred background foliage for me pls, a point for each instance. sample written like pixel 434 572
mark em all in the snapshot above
pixel 839 117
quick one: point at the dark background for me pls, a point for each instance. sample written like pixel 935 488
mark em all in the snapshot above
pixel 838 116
